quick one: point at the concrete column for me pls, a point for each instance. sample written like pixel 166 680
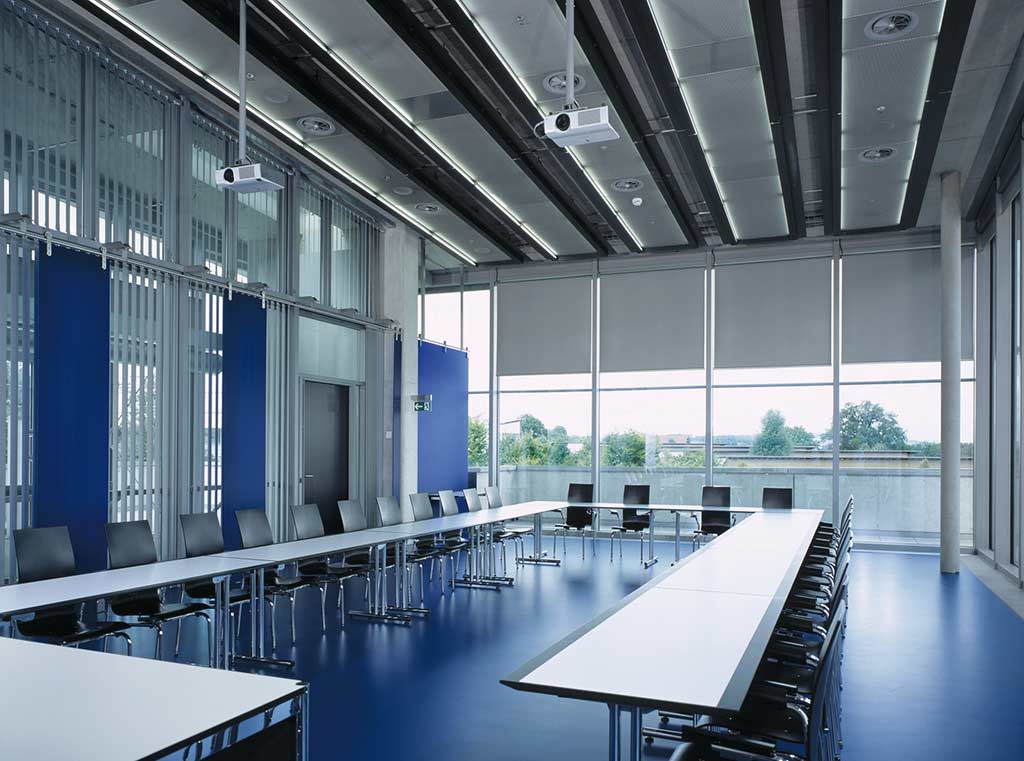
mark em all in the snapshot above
pixel 399 293
pixel 949 525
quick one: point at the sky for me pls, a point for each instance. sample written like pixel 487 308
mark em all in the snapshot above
pixel 737 411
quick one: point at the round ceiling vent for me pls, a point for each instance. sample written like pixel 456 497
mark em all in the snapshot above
pixel 317 126
pixel 891 25
pixel 627 185
pixel 877 155
pixel 402 190
pixel 427 208
pixel 276 97
pixel 555 82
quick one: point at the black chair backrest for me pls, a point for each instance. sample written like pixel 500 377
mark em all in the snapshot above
pixel 130 544
pixel 307 521
pixel 254 528
pixel 389 510
pixel 330 519
pixel 202 534
pixel 634 494
pixel 353 517
pixel 579 517
pixel 449 506
pixel 43 553
pixel 422 510
pixel 581 493
pixel 472 500
pixel 493 496
pixel 715 496
pixel 777 498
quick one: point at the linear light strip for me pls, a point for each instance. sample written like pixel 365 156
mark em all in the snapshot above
pixel 285 130
pixel 529 95
pixel 407 120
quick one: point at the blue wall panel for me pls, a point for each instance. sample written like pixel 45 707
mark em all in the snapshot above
pixel 72 401
pixel 244 420
pixel 444 431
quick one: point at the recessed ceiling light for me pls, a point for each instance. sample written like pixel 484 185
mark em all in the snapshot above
pixel 891 25
pixel 427 208
pixel 316 125
pixel 275 96
pixel 402 190
pixel 627 184
pixel 877 155
pixel 555 82
pixel 880 109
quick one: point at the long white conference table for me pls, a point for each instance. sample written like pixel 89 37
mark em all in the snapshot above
pixel 65 703
pixel 703 628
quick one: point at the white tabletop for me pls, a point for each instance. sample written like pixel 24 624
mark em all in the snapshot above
pixel 692 638
pixel 321 546
pixel 63 703
pixel 35 595
pixel 665 507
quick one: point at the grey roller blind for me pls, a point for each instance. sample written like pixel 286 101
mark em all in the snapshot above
pixel 891 307
pixel 774 314
pixel 544 326
pixel 652 320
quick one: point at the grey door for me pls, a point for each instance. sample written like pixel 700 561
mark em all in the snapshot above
pixel 325 421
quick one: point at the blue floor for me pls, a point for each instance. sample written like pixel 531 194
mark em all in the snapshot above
pixel 934 667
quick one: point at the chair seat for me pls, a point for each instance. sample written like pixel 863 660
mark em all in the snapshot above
pixel 635 525
pixel 323 568
pixel 66 629
pixel 361 560
pixel 574 528
pixel 151 607
pixel 768 720
pixel 206 590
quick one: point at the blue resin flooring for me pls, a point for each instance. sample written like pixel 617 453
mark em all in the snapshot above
pixel 934 667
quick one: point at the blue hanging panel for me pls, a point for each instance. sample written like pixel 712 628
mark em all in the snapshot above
pixel 443 460
pixel 72 401
pixel 244 418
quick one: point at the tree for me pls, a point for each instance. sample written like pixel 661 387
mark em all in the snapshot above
pixel 477 442
pixel 773 440
pixel 559 454
pixel 801 437
pixel 531 426
pixel 868 426
pixel 626 449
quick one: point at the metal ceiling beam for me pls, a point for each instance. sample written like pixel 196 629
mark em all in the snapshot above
pixel 284 46
pixel 527 109
pixel 830 22
pixel 599 51
pixel 425 39
pixel 769 35
pixel 640 18
pixel 956 20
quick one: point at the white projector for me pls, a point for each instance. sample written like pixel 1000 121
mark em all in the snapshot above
pixel 580 126
pixel 248 178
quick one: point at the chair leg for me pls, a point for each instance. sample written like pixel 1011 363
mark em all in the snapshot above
pixel 158 650
pixel 341 600
pixel 291 605
pixel 177 640
pixel 127 642
pixel 209 636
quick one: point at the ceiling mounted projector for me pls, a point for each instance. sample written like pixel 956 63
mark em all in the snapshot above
pixel 580 126
pixel 247 178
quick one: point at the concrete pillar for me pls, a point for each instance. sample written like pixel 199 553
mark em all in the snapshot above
pixel 949 525
pixel 399 293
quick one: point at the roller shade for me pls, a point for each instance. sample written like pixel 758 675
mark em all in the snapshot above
pixel 891 307
pixel 774 314
pixel 652 320
pixel 544 326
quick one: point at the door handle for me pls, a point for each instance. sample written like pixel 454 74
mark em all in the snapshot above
pixel 308 475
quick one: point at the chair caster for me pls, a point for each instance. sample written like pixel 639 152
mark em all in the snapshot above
pixel 664 723
pixel 648 741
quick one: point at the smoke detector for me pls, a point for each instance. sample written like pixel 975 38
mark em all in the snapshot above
pixel 627 184
pixel 402 190
pixel 555 82
pixel 427 208
pixel 877 155
pixel 316 125
pixel 891 25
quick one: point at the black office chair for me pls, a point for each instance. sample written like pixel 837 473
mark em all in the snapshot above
pixel 498 536
pixel 46 553
pixel 322 571
pixel 577 517
pixel 254 529
pixel 423 510
pixel 203 536
pixel 713 522
pixel 632 520
pixel 777 498
pixel 131 544
pixel 494 500
pixel 390 514
pixel 450 506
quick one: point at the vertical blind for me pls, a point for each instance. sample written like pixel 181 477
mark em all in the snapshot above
pixel 40 120
pixel 208 206
pixel 17 289
pixel 142 408
pixel 204 326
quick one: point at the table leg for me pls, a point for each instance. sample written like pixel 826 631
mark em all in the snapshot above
pixel 475 577
pixel 676 514
pixel 651 557
pixel 635 741
pixel 614 741
pixel 257 594
pixel 539 556
pixel 402 604
pixel 376 609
